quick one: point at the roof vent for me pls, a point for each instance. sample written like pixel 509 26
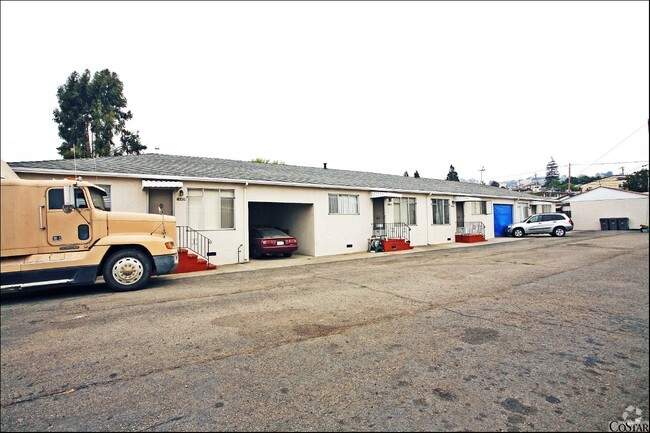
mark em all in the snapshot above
pixel 325 165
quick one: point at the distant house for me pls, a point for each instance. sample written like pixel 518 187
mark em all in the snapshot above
pixel 329 211
pixel 607 182
pixel 589 208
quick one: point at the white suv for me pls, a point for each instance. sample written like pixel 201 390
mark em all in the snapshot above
pixel 554 224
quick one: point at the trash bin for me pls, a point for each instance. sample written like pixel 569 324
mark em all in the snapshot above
pixel 604 224
pixel 613 223
pixel 623 223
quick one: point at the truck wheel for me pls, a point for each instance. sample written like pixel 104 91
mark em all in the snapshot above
pixel 127 270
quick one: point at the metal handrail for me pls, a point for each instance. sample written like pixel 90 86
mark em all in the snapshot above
pixel 392 231
pixel 471 228
pixel 194 241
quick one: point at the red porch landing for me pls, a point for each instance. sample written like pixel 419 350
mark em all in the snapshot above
pixel 396 245
pixel 190 262
pixel 469 238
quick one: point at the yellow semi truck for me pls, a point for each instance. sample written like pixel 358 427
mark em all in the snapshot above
pixel 60 232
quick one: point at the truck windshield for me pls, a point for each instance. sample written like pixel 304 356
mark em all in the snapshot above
pixel 97 197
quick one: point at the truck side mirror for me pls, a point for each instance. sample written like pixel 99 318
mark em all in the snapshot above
pixel 68 198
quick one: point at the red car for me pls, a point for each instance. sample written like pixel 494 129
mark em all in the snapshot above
pixel 269 241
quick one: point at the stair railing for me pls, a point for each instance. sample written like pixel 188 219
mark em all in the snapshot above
pixel 392 231
pixel 471 228
pixel 194 241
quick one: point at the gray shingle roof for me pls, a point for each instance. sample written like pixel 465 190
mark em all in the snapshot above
pixel 175 167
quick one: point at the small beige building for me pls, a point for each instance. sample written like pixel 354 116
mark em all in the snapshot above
pixel 588 208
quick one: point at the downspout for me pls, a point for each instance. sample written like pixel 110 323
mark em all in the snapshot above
pixel 246 223
pixel 429 224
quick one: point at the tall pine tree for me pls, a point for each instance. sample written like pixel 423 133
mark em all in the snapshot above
pixel 452 175
pixel 552 172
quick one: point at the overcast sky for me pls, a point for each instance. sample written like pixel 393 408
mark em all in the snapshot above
pixel 385 87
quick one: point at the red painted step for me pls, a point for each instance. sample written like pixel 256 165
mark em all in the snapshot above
pixel 470 238
pixel 190 262
pixel 396 245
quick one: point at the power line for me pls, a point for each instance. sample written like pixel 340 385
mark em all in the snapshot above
pixel 566 166
pixel 619 143
pixel 587 165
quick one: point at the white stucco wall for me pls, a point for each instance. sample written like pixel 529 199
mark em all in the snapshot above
pixel 303 211
pixel 588 208
pixel 586 215
pixel 438 233
pixel 335 232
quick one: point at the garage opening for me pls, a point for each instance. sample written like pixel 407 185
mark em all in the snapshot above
pixel 502 219
pixel 295 219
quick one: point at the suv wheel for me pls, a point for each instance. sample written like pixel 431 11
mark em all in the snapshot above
pixel 518 232
pixel 558 231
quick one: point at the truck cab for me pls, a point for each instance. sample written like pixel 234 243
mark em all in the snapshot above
pixel 60 232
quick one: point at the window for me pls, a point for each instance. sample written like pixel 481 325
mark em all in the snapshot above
pixel 211 209
pixel 481 207
pixel 546 208
pixel 227 209
pixel 440 211
pixel 106 198
pixel 99 199
pixel 404 210
pixel 343 204
pixel 79 199
pixel 523 212
pixel 55 199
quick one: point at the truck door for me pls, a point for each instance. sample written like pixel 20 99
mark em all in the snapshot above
pixel 67 228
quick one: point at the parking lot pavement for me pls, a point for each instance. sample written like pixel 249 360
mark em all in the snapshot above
pixel 532 334
pixel 300 259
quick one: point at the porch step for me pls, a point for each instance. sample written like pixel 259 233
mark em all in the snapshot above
pixel 396 245
pixel 190 262
pixel 469 238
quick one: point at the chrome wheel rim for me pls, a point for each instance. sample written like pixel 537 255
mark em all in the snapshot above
pixel 127 271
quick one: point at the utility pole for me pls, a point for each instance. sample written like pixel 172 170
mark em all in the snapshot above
pixel 622 171
pixel 482 170
pixel 569 178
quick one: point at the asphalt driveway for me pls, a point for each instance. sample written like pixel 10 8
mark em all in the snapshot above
pixel 538 333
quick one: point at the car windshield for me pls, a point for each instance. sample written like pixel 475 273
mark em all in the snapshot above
pixel 271 233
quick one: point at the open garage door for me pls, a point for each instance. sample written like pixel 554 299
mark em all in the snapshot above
pixel 295 219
